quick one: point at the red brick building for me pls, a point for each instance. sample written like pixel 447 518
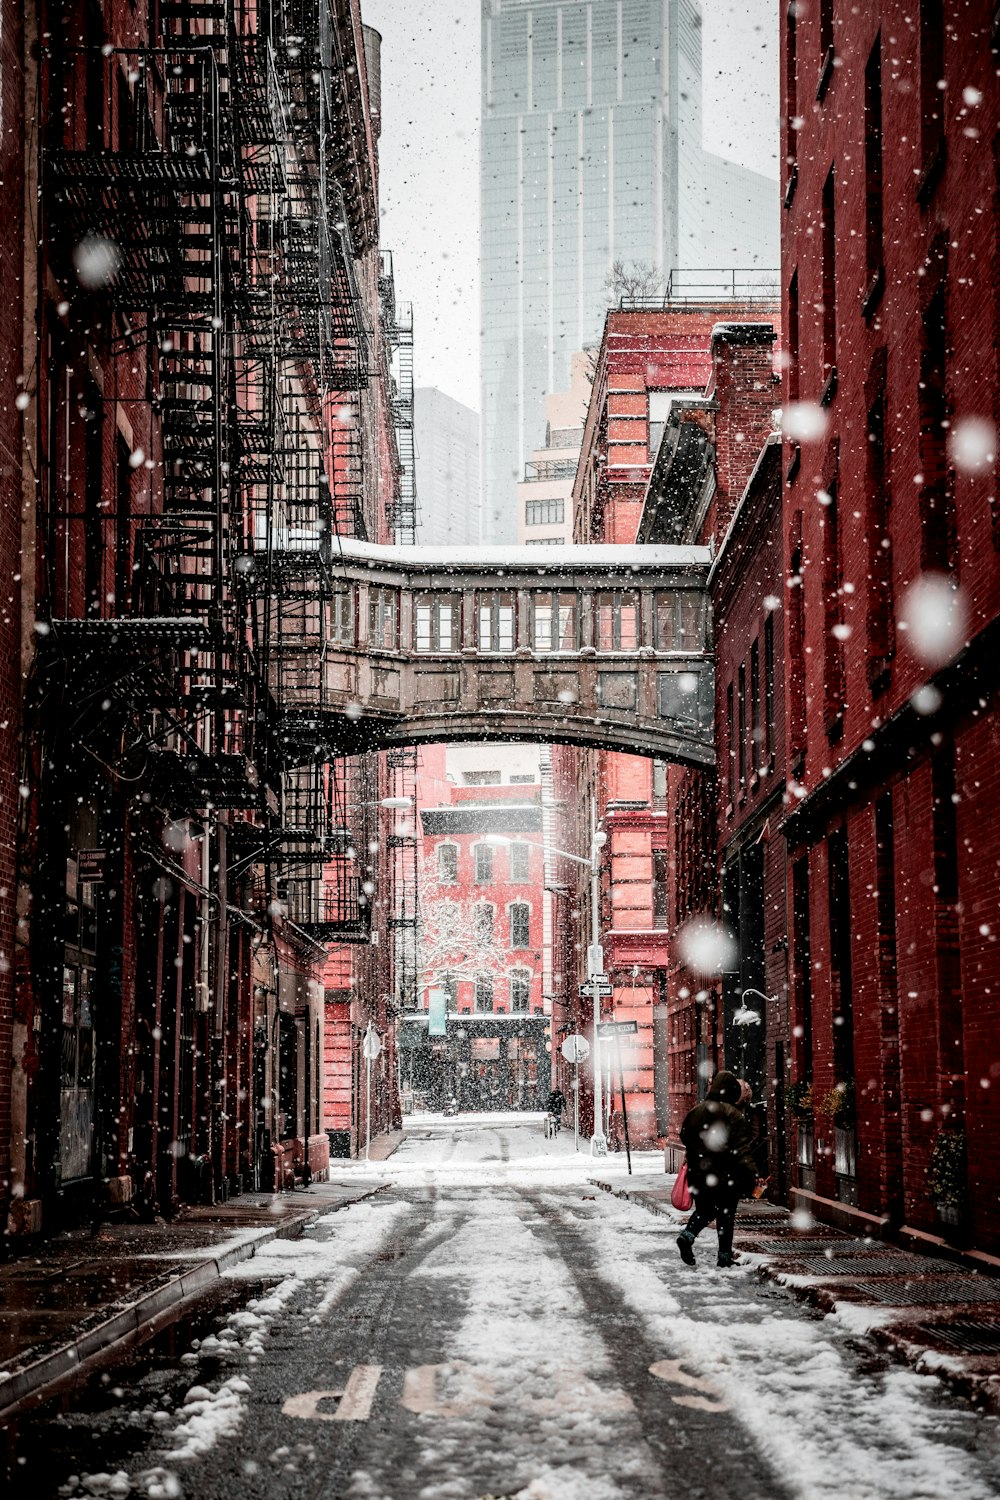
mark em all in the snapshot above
pixel 890 276
pixel 482 930
pixel 651 366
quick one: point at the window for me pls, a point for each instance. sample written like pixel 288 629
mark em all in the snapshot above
pixel 520 914
pixel 680 621
pixel 660 866
pixel 796 644
pixel 553 622
pixel 731 733
pixel 544 512
pixel 659 785
pixel 448 918
pixel 496 620
pixel 449 983
pixel 802 967
pixel 880 592
pixel 522 781
pixel 769 725
pixel 793 337
pixel 342 617
pixel 483 990
pixel 482 864
pixel 839 903
pixel 829 249
pixel 873 170
pixel 833 608
pixel 791 100
pixel 520 855
pixel 481 778
pixel 617 625
pixel 932 92
pixel 520 991
pixel 447 864
pixel 436 623
pixel 741 709
pixel 483 925
pixel 937 539
pixel 659 409
pixel 755 735
pixel 382 617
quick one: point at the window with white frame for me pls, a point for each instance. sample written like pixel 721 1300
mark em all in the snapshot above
pixel 342 618
pixel 482 864
pixel 553 622
pixel 520 856
pixel 680 620
pixel 437 622
pixel 483 990
pixel 447 864
pixel 520 924
pixel 618 621
pixel 382 619
pixel 495 622
pixel 520 991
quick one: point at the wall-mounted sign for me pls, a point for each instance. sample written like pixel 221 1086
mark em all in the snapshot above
pixel 485 1048
pixel 437 1013
pixel 91 865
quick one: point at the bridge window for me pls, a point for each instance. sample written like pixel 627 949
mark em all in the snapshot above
pixel 496 622
pixel 382 619
pixel 553 622
pixel 437 620
pixel 544 512
pixel 482 864
pixel 484 992
pixel 520 991
pixel 680 621
pixel 617 621
pixel 520 920
pixel 447 864
pixel 520 855
pixel 342 618
pixel 483 923
pixel 687 697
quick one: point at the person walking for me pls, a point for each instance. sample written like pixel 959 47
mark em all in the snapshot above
pixel 721 1168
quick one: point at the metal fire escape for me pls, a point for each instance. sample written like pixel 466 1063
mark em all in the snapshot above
pixel 402 764
pixel 221 198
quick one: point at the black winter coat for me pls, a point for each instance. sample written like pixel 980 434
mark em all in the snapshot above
pixel 719 1149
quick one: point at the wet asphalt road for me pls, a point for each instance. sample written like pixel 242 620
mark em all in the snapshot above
pixel 468 1333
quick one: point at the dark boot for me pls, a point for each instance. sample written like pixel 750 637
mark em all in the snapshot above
pixel 685 1244
pixel 725 1258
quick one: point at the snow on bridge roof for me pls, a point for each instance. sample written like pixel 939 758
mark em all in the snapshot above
pixel 571 557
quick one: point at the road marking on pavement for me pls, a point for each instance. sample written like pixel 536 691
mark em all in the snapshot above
pixel 354 1401
pixel 671 1371
pixel 420 1390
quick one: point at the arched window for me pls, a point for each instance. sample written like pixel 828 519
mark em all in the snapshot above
pixel 520 990
pixel 447 864
pixel 483 922
pixel 482 859
pixel 520 915
pixel 484 992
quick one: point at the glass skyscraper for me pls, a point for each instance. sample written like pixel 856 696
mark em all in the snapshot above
pixel 591 154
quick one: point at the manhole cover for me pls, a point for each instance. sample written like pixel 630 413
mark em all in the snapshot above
pixel 856 1265
pixel 965 1334
pixel 924 1291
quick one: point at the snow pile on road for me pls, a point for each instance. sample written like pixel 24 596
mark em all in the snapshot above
pixel 794 1384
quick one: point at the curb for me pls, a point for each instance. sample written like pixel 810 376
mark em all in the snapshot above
pixel 158 1307
pixel 970 1384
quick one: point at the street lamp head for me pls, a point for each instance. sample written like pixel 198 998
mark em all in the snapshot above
pixel 600 839
pixel 396 802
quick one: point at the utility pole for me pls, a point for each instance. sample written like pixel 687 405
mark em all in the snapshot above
pixel 595 972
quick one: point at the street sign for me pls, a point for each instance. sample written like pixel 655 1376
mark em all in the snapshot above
pixel 613 1029
pixel 575 1048
pixel 437 1013
pixel 597 984
pixel 372 1044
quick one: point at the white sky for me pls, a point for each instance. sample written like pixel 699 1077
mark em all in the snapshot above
pixel 430 160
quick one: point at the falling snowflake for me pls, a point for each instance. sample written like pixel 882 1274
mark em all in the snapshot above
pixel 934 618
pixel 96 261
pixel 706 946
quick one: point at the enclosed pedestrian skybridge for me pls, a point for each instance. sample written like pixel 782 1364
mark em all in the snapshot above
pixel 377 646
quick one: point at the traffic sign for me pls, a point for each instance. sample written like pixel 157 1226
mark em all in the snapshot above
pixel 612 1029
pixel 372 1044
pixel 597 984
pixel 575 1048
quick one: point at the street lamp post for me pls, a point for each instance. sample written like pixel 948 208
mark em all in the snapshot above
pixel 595 962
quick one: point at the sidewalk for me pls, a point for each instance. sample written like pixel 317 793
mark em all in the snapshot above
pixel 939 1316
pixel 82 1295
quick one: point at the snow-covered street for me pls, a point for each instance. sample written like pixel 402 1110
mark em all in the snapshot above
pixel 492 1324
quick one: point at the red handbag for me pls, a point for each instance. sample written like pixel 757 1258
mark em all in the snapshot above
pixel 680 1193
